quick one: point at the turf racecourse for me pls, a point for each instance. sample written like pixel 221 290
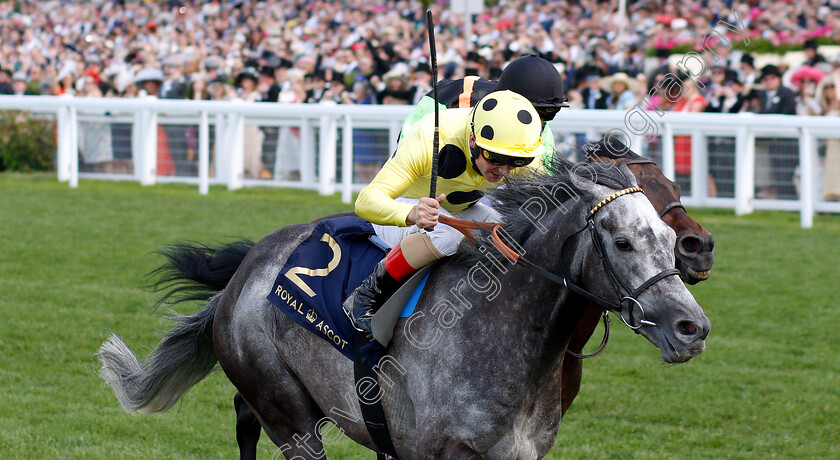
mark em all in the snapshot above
pixel 72 260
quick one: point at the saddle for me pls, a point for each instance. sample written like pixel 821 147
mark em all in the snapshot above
pixel 325 269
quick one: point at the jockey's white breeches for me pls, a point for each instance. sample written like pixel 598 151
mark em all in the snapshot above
pixel 444 238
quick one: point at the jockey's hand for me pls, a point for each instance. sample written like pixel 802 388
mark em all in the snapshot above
pixel 425 214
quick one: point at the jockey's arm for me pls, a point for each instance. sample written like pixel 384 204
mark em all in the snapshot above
pixel 376 202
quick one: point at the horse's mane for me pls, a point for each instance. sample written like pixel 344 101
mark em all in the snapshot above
pixel 510 199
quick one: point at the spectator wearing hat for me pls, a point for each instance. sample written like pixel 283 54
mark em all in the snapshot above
pixel 726 97
pixel 805 80
pixel 316 85
pixel 220 90
pixel 622 91
pixel 421 82
pixel 395 89
pixel 828 93
pixel 20 85
pixel 812 56
pixel 269 92
pixel 175 84
pixel 777 178
pixel 212 68
pixel 149 81
pixel 267 84
pixel 246 84
pixel 749 78
pixel 776 98
pixel 593 97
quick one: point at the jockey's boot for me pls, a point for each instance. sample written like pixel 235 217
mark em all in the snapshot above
pixel 386 278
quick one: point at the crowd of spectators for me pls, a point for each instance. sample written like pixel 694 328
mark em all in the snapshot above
pixel 376 51
pixel 361 51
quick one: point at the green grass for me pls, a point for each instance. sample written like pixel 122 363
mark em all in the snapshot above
pixel 72 260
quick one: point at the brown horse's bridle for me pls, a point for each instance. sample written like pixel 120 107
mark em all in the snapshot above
pixel 668 207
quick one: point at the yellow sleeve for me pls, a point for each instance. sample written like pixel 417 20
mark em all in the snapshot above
pixel 413 160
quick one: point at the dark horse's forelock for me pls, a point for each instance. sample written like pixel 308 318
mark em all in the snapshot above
pixel 510 199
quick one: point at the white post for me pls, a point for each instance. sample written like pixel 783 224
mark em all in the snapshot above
pixel 148 141
pixel 326 158
pixel 347 161
pixel 699 168
pixel 74 148
pixel 236 149
pixel 637 143
pixel 668 167
pixel 806 177
pixel 744 171
pixel 62 161
pixel 221 148
pixel 204 154
pixel 307 156
pixel 137 143
pixel 394 128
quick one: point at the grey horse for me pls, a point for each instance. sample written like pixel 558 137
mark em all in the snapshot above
pixel 476 372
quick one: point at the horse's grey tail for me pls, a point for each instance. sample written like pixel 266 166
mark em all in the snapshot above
pixel 183 358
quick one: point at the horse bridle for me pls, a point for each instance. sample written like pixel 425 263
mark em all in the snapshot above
pixel 668 207
pixel 629 309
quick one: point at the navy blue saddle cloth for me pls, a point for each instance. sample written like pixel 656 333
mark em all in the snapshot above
pixel 322 272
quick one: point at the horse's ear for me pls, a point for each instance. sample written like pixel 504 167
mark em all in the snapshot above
pixel 583 179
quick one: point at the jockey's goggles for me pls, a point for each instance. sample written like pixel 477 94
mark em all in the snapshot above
pixel 496 159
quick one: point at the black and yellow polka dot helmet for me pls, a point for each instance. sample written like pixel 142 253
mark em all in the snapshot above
pixel 506 123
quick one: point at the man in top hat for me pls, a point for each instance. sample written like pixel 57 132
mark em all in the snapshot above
pixel 748 74
pixel 267 84
pixel 593 97
pixel 777 99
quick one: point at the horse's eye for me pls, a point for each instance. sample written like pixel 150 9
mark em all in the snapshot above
pixel 623 245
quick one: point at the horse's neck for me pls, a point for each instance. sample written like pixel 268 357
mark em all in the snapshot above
pixel 541 312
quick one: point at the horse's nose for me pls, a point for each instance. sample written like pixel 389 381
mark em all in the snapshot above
pixel 691 331
pixel 691 244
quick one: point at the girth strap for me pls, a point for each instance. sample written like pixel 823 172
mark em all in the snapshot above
pixel 373 414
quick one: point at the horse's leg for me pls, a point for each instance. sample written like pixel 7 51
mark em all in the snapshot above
pixel 247 339
pixel 247 429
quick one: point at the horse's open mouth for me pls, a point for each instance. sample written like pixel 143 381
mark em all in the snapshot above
pixel 690 275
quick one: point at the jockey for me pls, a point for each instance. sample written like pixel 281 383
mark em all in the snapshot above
pixel 480 147
pixel 531 76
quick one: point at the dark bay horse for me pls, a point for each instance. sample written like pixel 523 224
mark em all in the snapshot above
pixel 694 249
pixel 474 378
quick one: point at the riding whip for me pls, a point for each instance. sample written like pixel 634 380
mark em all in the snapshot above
pixel 435 142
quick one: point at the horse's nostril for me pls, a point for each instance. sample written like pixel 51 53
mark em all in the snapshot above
pixel 686 328
pixel 692 244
